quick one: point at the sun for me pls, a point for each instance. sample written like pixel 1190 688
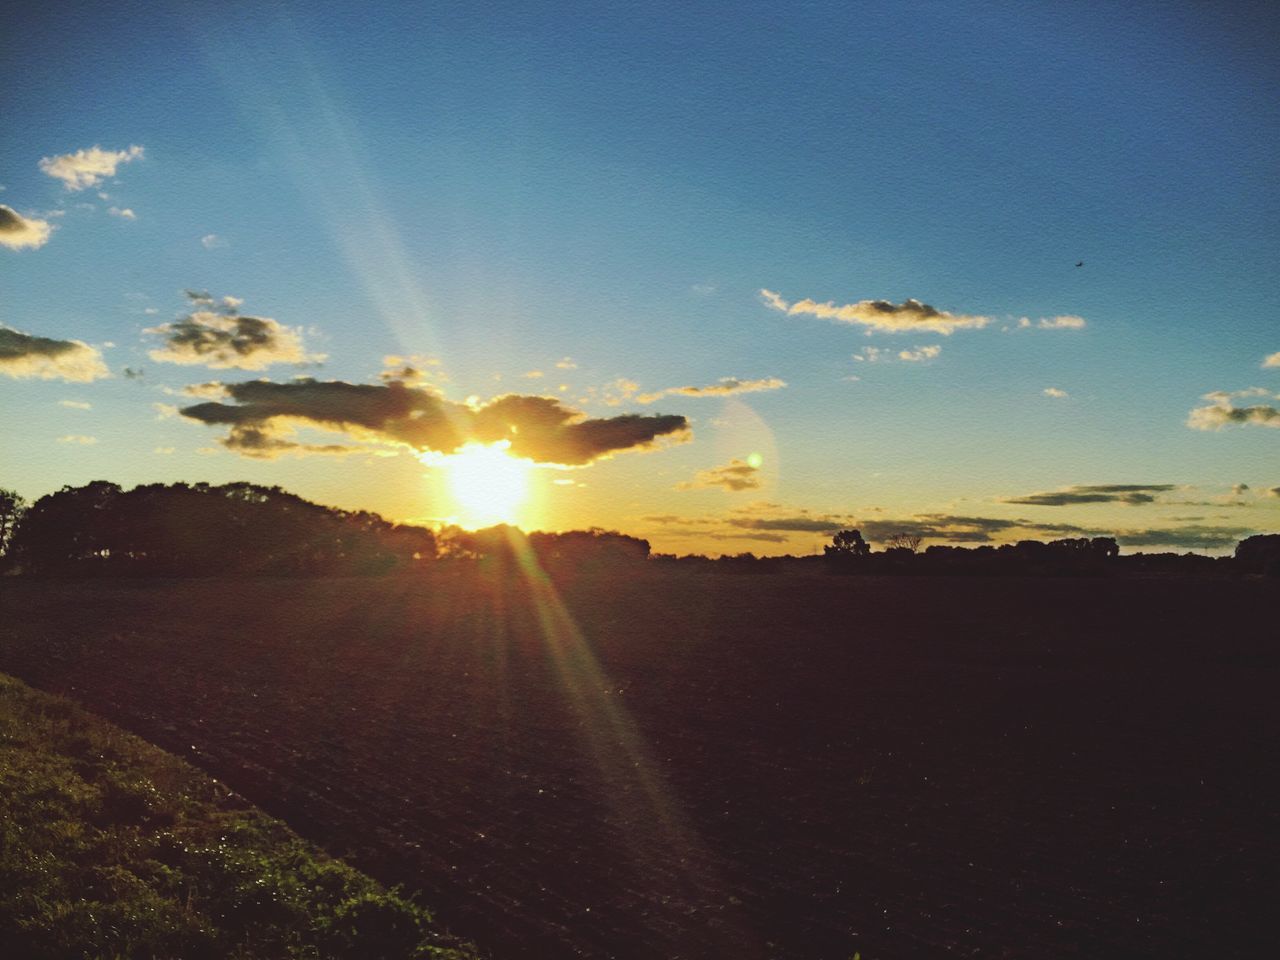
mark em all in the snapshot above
pixel 487 484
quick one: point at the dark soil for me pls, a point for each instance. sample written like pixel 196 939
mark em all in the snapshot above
pixel 669 764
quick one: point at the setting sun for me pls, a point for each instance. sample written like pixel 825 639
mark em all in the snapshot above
pixel 487 484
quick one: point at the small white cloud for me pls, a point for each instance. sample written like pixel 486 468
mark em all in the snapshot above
pixel 533 375
pixel 87 168
pixel 78 438
pixel 1055 392
pixel 1054 323
pixel 18 232
pixel 211 241
pixel 872 355
pixel 124 213
pixel 568 364
pixel 164 451
pixel 75 404
pixel 920 354
pixel 1272 361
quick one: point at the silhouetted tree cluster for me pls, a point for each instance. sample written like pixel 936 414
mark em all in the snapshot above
pixel 1260 554
pixel 573 550
pixel 202 530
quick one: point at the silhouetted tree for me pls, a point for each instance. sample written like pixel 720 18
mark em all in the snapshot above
pixel 847 543
pixel 904 541
pixel 12 507
pixel 1259 554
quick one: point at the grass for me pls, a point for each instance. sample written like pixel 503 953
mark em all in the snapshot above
pixel 111 848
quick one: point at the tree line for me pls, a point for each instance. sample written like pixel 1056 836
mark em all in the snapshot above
pixel 242 529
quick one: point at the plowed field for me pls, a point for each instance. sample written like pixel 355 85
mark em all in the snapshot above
pixel 681 765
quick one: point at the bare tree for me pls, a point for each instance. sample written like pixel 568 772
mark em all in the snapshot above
pixel 904 541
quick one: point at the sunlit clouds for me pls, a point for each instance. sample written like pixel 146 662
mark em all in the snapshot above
pixel 727 386
pixel 88 168
pixel 22 233
pixel 25 356
pixel 735 476
pixel 219 337
pixel 881 315
pixel 1222 411
pixel 540 429
pixel 1273 360
pixel 1056 393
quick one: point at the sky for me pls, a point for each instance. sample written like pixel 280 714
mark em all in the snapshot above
pixel 725 276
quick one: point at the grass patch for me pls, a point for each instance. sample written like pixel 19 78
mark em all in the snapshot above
pixel 111 848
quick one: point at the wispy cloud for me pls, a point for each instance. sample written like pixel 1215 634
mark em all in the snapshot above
pixel 727 386
pixel 211 241
pixel 1272 360
pixel 75 404
pixel 1054 323
pixel 78 438
pixel 124 213
pixel 1055 392
pixel 87 168
pixel 736 475
pixel 920 354
pixel 22 233
pixel 223 339
pixel 25 356
pixel 882 315
pixel 1129 494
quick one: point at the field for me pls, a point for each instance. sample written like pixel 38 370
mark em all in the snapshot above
pixel 671 764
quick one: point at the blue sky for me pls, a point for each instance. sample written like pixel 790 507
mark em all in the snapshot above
pixel 500 188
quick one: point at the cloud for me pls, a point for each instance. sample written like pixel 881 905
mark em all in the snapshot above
pixel 18 232
pixel 87 168
pixel 736 475
pixel 1055 392
pixel 211 241
pixel 727 386
pixel 910 315
pixel 124 213
pixel 920 354
pixel 1124 493
pixel 224 339
pixel 566 364
pixel 1190 537
pixel 410 370
pixel 23 356
pixel 1054 323
pixel 1221 411
pixel 1273 360
pixel 534 375
pixel 78 438
pixel 872 355
pixel 75 404
pixel 536 428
